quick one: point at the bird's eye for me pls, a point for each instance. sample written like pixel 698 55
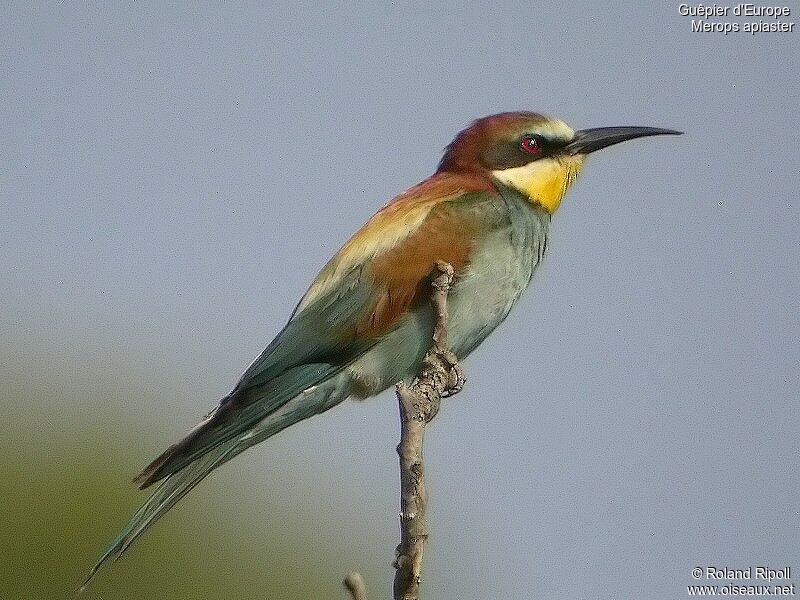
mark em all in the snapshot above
pixel 530 145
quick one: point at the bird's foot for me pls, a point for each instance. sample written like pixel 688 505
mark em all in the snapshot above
pixel 455 373
pixel 441 372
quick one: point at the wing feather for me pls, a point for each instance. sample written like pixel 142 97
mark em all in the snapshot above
pixel 363 293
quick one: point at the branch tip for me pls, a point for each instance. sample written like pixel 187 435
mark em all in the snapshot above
pixel 354 583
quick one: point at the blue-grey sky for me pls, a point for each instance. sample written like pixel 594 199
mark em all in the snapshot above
pixel 172 177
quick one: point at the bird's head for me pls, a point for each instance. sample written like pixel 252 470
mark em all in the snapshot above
pixel 538 156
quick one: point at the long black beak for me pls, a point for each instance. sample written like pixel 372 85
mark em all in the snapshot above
pixel 589 140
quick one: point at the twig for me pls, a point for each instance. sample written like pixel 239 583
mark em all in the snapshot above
pixel 354 583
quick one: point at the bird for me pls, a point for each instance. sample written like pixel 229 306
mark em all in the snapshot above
pixel 365 322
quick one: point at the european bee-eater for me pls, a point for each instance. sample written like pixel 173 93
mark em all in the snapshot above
pixel 366 321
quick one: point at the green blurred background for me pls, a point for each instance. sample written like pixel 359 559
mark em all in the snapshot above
pixel 65 485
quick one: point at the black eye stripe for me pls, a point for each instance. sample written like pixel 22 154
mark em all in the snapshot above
pixel 546 145
pixel 508 153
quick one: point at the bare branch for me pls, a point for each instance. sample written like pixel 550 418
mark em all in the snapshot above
pixel 439 376
pixel 441 287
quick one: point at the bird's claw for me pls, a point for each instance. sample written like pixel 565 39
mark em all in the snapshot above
pixel 456 382
pixel 454 372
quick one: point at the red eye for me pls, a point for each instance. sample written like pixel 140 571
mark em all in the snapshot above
pixel 530 145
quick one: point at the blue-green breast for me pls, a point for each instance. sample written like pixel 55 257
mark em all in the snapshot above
pixel 501 267
pixel 502 262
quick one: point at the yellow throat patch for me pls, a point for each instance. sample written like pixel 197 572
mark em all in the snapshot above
pixel 543 181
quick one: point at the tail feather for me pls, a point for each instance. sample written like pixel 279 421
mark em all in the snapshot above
pixel 236 415
pixel 166 495
pixel 176 485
